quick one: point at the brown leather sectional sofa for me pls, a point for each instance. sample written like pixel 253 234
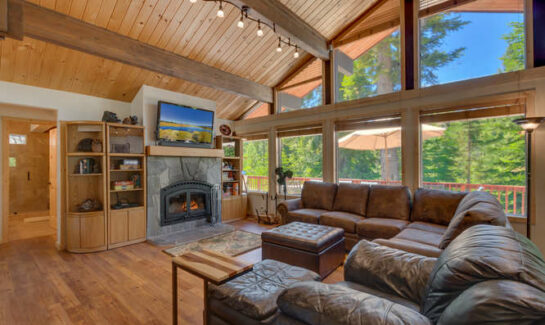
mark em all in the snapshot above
pixel 487 275
pixel 387 215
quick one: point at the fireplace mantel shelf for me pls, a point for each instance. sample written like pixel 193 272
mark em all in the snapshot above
pixel 183 152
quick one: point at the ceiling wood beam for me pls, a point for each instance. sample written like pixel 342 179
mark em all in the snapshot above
pixel 289 25
pixel 11 19
pixel 53 27
pixel 354 24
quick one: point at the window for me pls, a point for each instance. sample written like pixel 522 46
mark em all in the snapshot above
pixel 304 90
pixel 369 151
pixel 258 110
pixel 369 67
pixel 475 39
pixel 17 139
pixel 471 154
pixel 256 165
pixel 303 156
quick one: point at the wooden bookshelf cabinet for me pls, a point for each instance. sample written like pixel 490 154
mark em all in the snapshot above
pixel 85 178
pixel 234 202
pixel 126 207
pixel 121 219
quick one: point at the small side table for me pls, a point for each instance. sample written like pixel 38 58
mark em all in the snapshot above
pixel 211 267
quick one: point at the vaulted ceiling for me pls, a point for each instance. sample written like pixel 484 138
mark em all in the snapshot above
pixel 178 26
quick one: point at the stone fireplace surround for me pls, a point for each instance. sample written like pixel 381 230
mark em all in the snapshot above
pixel 164 171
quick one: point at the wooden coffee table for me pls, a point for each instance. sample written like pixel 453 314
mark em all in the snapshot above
pixel 210 266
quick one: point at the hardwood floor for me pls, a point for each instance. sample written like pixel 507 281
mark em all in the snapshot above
pixel 128 285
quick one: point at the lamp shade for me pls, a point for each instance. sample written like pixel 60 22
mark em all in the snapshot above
pixel 529 123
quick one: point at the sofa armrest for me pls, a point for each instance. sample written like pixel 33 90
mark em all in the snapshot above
pixel 388 269
pixel 320 303
pixel 288 205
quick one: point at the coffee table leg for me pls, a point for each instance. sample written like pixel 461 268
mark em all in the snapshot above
pixel 205 312
pixel 174 294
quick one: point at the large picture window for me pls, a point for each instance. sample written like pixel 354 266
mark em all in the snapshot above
pixel 303 156
pixel 475 39
pixel 369 152
pixel 256 165
pixel 471 154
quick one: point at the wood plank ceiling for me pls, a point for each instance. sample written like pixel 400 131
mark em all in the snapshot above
pixel 187 29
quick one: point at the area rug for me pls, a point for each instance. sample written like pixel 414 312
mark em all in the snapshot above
pixel 232 244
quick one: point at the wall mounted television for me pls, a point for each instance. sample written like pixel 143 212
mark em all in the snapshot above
pixel 179 125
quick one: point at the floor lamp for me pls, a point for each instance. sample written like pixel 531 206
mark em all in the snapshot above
pixel 529 124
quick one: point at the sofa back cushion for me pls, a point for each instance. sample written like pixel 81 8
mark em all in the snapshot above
pixel 482 253
pixel 435 206
pixel 351 198
pixel 475 208
pixel 386 201
pixel 318 195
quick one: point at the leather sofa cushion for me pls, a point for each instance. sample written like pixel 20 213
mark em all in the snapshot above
pixel 420 236
pixel 387 201
pixel 379 293
pixel 480 254
pixel 305 215
pixel 304 236
pixel 320 303
pixel 318 195
pixel 339 219
pixel 476 208
pixel 426 226
pixel 371 228
pixel 389 270
pixel 495 302
pixel 435 206
pixel 254 293
pixel 352 198
pixel 410 246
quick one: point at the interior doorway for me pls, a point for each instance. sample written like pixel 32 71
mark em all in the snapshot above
pixel 30 178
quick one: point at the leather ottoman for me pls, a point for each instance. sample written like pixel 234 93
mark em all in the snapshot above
pixel 251 297
pixel 315 247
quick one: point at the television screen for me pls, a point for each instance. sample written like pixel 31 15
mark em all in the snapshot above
pixel 183 125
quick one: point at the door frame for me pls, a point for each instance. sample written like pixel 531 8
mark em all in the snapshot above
pixel 5 169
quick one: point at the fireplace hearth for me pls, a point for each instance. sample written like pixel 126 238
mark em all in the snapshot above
pixel 187 201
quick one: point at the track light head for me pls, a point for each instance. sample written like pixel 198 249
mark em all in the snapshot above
pixel 220 13
pixel 279 48
pixel 193 1
pixel 259 30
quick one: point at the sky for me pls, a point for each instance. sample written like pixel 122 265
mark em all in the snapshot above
pixel 186 115
pixel 483 43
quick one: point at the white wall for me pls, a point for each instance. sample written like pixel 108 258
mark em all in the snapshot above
pixel 144 106
pixel 68 106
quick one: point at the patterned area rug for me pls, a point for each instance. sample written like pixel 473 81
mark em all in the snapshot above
pixel 232 244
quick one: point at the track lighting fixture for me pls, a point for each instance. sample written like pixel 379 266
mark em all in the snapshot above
pixel 221 14
pixel 244 17
pixel 279 48
pixel 240 23
pixel 259 30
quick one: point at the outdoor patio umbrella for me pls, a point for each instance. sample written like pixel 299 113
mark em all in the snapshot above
pixel 383 138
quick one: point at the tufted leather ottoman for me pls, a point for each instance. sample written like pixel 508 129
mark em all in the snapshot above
pixel 251 297
pixel 315 247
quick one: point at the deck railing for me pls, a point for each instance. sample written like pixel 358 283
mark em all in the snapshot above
pixel 511 197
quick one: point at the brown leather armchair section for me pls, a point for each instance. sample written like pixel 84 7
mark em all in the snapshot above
pixel 380 227
pixel 481 254
pixel 318 195
pixel 435 206
pixel 387 201
pixel 476 208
